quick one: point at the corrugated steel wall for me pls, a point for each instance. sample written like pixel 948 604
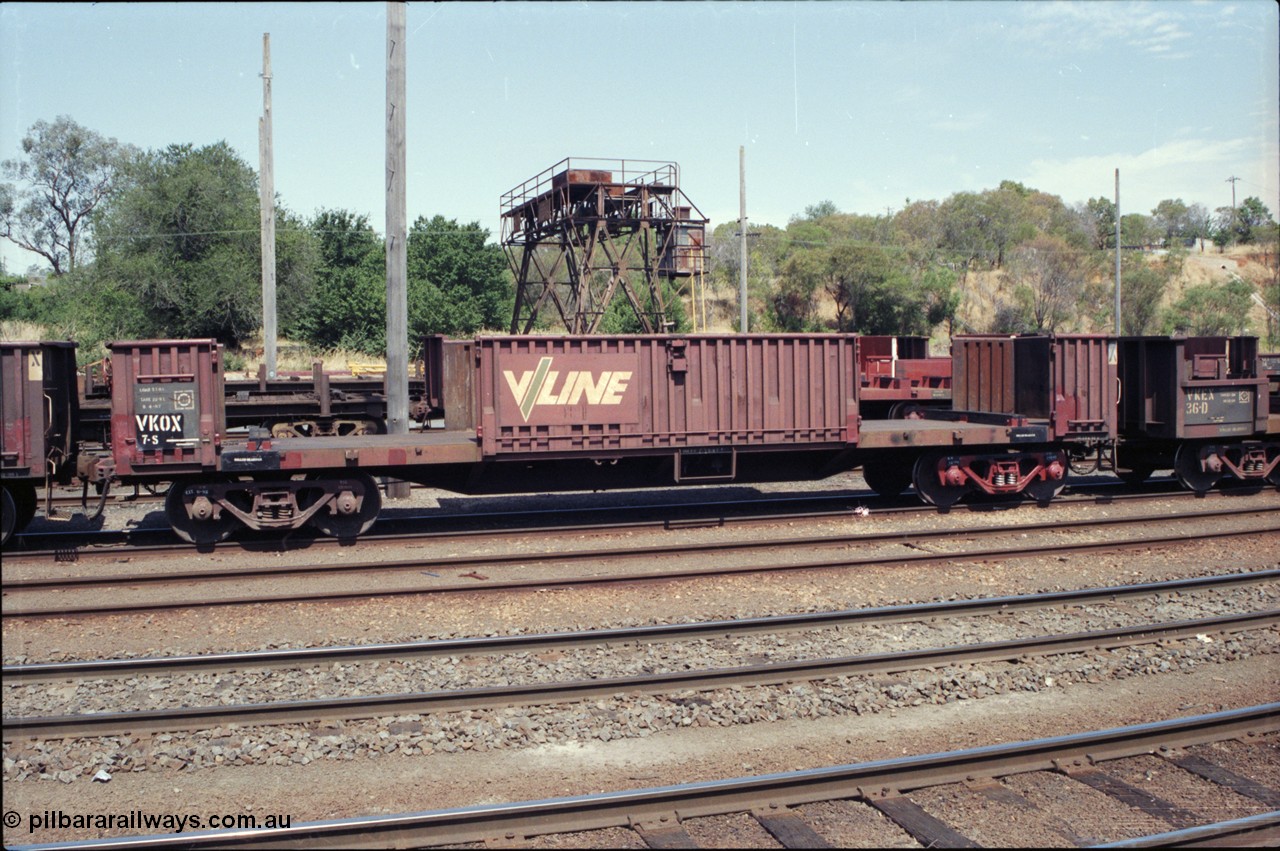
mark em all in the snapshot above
pixel 1179 388
pixel 571 394
pixel 167 406
pixel 1068 379
pixel 22 441
pixel 41 404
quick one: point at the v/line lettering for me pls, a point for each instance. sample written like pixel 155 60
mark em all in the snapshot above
pixel 542 386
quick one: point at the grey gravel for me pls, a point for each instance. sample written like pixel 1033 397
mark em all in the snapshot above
pixel 640 716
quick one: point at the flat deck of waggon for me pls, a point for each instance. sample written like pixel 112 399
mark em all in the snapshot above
pixel 931 433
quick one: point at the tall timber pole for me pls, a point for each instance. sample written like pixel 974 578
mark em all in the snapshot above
pixel 742 227
pixel 397 385
pixel 1117 252
pixel 267 213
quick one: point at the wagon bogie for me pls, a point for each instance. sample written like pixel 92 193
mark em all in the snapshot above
pixel 943 477
pixel 206 511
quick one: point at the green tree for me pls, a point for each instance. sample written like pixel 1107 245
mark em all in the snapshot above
pixel 791 305
pixel 67 172
pixel 1138 230
pixel 620 317
pixel 182 238
pixel 348 308
pixel 1100 216
pixel 860 280
pixel 936 289
pixel 919 228
pixel 821 210
pixel 1225 226
pixel 1210 310
pixel 1053 277
pixel 966 229
pixel 458 282
pixel 1142 288
pixel 1251 220
pixel 1174 220
pixel 767 247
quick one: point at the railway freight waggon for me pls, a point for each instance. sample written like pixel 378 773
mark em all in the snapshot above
pixel 1199 405
pixel 1042 398
pixel 290 404
pixel 544 413
pixel 518 414
pixel 535 413
pixel 38 444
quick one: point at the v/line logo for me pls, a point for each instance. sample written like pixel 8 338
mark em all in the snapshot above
pixel 539 387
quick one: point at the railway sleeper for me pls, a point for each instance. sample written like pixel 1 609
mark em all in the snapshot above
pixel 205 512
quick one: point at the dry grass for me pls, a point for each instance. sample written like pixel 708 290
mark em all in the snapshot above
pixel 12 331
pixel 295 357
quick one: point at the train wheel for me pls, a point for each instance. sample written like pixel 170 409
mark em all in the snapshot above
pixel 188 528
pixel 887 478
pixel 348 526
pixel 8 516
pixel 25 501
pixel 1044 490
pixel 1192 475
pixel 906 411
pixel 925 477
pixel 1130 472
pixel 1136 474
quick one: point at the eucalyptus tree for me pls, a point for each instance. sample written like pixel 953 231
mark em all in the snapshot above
pixel 66 172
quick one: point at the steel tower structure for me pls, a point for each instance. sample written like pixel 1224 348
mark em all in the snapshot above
pixel 585 229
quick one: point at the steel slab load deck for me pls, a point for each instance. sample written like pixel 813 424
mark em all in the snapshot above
pixel 933 433
pixel 364 452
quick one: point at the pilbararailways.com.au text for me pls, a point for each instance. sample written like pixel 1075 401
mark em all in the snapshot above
pixel 137 820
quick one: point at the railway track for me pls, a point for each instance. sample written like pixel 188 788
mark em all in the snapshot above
pixel 159 541
pixel 1084 764
pixel 805 668
pixel 261 660
pixel 639 563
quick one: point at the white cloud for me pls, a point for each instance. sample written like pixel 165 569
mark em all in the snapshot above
pixel 1155 28
pixel 1191 169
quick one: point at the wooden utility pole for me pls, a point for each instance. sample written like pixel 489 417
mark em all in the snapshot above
pixel 267 213
pixel 1232 180
pixel 397 380
pixel 742 227
pixel 1117 252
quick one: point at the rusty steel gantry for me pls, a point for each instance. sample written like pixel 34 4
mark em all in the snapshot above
pixel 584 229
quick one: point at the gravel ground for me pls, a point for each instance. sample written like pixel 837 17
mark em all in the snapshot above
pixel 558 666
pixel 610 719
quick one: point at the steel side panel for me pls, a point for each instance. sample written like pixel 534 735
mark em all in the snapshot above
pixel 22 439
pixel 41 401
pixel 166 378
pixel 1068 379
pixel 640 393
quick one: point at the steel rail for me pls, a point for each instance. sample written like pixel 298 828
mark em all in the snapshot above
pixel 1039 550
pixel 106 549
pixel 16 675
pixel 371 706
pixel 867 781
pixel 62 583
pixel 1261 831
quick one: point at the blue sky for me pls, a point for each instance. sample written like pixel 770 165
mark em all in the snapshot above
pixel 865 104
